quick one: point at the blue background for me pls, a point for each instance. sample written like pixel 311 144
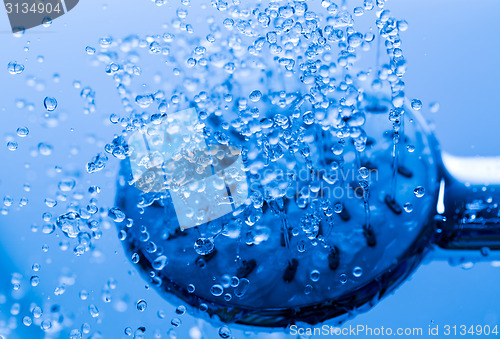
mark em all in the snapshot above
pixel 452 51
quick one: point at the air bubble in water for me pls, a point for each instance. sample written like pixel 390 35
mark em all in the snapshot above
pixel 419 191
pixel 50 103
pixel 191 288
pixel 408 207
pixel 14 68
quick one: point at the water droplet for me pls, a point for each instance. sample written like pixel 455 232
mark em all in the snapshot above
pixel 45 149
pixel 135 258
pixel 408 207
pixel 410 148
pixel 204 246
pixel 93 310
pixel 176 322
pixel 224 332
pixel 434 107
pixel 23 131
pixel 191 288
pixel 416 104
pixel 419 191
pixel 27 321
pixel 160 263
pixel 14 68
pixel 90 50
pixel 255 95
pixel 50 103
pixel 217 290
pixel 180 310
pixel 116 214
pixel 35 280
pixel 142 305
pixel 12 145
pixel 357 271
pixel 315 275
pixel 46 325
pixel 66 185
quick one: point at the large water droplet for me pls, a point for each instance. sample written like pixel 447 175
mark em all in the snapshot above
pixel 50 103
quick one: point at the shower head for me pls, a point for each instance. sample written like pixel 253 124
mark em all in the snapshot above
pixel 326 236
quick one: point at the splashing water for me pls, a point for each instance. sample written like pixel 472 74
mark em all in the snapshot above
pixel 320 135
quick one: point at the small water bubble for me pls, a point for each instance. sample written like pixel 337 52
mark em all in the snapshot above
pixel 191 288
pixel 35 280
pixel 50 103
pixel 308 289
pixel 176 322
pixel 180 310
pixel 23 131
pixel 314 275
pixel 141 305
pixel 408 207
pixel 308 118
pixel 416 104
pixel 434 107
pixel 255 96
pixel 410 148
pixel 90 50
pixel 37 312
pixel 204 246
pixel 12 145
pixel 66 185
pixel 135 258
pixel 217 290
pixel 128 331
pixel 419 191
pixel 224 332
pixel 46 325
pixel 15 68
pixel 45 149
pixel 116 214
pixel 83 294
pixel 160 263
pixel 357 271
pixel 27 321
pixel 93 310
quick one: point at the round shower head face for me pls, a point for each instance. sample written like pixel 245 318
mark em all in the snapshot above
pixel 325 227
